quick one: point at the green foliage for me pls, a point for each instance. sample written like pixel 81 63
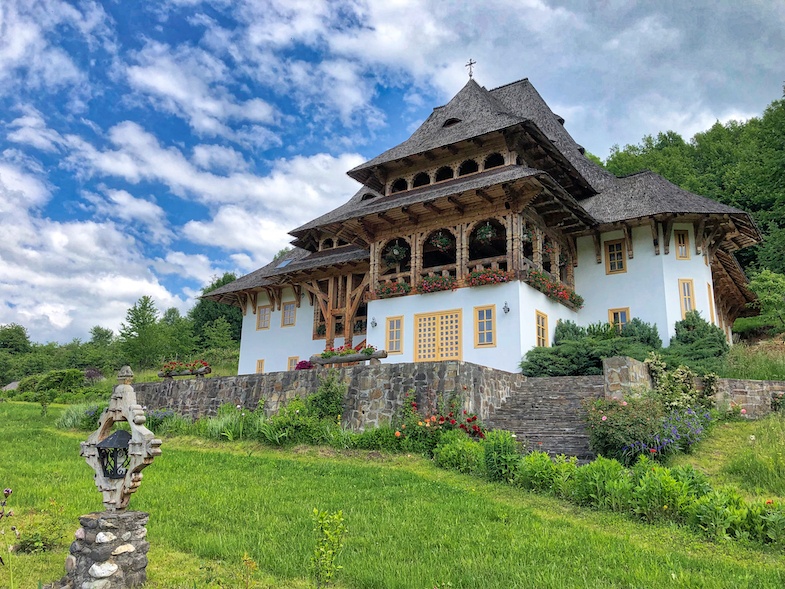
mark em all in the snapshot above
pixel 759 462
pixel 376 438
pixel 82 417
pixel 142 339
pixel 329 529
pixel 44 532
pixel 658 495
pixel 642 332
pixel 327 401
pixel 536 472
pixel 14 339
pixel 206 312
pixel 769 287
pixel 720 515
pixel 458 452
pixel 502 455
pixel 567 330
pixel 596 483
pixel 218 334
pixel 697 344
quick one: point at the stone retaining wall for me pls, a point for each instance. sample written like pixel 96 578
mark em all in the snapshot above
pixel 754 396
pixel 374 392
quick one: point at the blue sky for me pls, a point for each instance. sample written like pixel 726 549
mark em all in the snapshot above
pixel 146 147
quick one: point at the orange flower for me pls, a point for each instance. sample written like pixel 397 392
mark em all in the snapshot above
pixel 397 434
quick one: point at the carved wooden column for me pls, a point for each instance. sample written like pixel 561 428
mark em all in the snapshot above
pixel 417 242
pixel 537 247
pixel 373 268
pixel 513 241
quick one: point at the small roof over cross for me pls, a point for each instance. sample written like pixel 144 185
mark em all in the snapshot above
pixel 470 65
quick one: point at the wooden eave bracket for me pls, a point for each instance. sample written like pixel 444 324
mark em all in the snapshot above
pixel 698 228
pixel 432 207
pixel 628 238
pixel 453 200
pixel 242 302
pixel 597 247
pixel 667 229
pixel 655 236
pixel 484 195
pixel 297 294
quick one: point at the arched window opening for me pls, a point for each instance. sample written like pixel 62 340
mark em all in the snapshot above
pixel 439 250
pixel 421 179
pixel 493 161
pixel 328 244
pixel 399 185
pixel 450 122
pixel 468 167
pixel 444 173
pixel 564 264
pixel 368 196
pixel 488 245
pixel 396 258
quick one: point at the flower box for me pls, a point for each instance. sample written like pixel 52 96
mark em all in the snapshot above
pixel 386 290
pixel 553 289
pixel 488 276
pixel 436 284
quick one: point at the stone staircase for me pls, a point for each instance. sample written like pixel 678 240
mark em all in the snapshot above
pixel 548 413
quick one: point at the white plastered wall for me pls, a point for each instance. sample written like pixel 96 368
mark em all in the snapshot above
pixel 649 287
pixel 277 344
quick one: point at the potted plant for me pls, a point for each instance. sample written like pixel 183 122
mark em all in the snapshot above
pixel 387 289
pixel 436 284
pixel 488 276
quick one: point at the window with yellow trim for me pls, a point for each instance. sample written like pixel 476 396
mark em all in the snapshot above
pixel 259 366
pixel 615 253
pixel 619 317
pixel 291 362
pixel 682 244
pixel 288 315
pixel 394 336
pixel 542 329
pixel 686 296
pixel 263 313
pixel 711 301
pixel 485 326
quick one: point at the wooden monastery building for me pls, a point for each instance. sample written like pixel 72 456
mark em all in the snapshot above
pixel 472 238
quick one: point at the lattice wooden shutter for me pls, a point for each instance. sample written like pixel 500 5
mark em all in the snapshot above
pixel 438 336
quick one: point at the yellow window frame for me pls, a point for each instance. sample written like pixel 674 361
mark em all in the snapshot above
pixel 541 323
pixel 686 295
pixel 393 335
pixel 682 239
pixel 438 336
pixel 614 317
pixel 263 315
pixel 616 256
pixel 291 362
pixel 711 302
pixel 484 326
pixel 288 314
pixel 260 367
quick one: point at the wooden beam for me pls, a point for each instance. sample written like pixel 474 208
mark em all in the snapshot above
pixel 429 155
pixel 698 230
pixel 628 238
pixel 368 229
pixel 432 207
pixel 252 298
pixel 456 204
pixel 655 236
pixel 383 216
pixel 297 292
pixel 406 161
pixel 484 195
pixel 597 247
pixel 242 302
pixel 452 149
pixel 414 219
pixel 667 229
pixel 477 141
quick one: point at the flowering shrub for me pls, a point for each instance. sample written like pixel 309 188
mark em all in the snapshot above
pixel 488 276
pixel 625 430
pixel 436 283
pixel 385 290
pixel 421 431
pixel 304 365
pixel 553 289
pixel 155 417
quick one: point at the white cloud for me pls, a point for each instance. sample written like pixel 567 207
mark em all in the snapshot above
pixel 135 213
pixel 59 279
pixel 31 129
pixel 192 83
pixel 218 158
pixel 196 266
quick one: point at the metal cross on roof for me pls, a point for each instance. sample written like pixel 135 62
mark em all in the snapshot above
pixel 470 65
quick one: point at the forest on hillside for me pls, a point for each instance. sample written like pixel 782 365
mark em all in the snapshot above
pixel 739 163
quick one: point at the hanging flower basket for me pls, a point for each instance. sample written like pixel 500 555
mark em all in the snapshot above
pixel 441 242
pixel 395 254
pixel 526 236
pixel 485 233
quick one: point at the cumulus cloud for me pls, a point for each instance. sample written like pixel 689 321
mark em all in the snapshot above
pixel 135 213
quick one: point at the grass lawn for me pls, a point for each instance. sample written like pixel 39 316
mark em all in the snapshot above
pixel 410 524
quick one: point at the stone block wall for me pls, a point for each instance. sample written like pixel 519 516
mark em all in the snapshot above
pixel 624 375
pixel 754 396
pixel 374 392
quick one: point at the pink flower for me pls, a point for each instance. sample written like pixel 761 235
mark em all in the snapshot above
pixel 624 403
pixel 604 417
pixel 744 412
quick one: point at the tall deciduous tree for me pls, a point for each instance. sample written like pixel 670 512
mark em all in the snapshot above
pixel 14 339
pixel 142 339
pixel 770 289
pixel 206 311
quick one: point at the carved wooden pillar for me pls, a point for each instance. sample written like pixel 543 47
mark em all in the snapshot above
pixel 537 247
pixel 462 251
pixel 329 320
pixel 514 245
pixel 348 316
pixel 417 242
pixel 373 268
